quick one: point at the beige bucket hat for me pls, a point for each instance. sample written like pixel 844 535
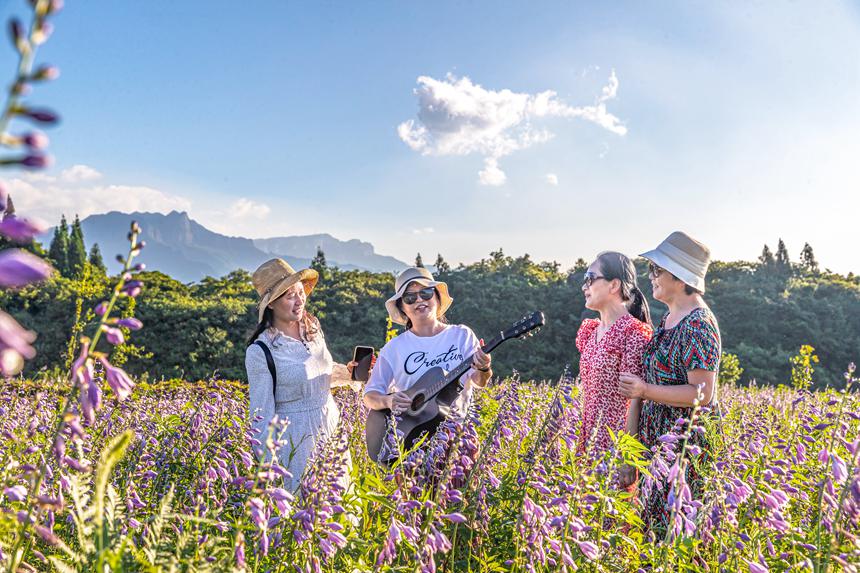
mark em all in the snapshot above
pixel 684 257
pixel 274 277
pixel 423 277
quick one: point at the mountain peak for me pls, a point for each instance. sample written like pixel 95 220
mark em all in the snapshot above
pixel 186 250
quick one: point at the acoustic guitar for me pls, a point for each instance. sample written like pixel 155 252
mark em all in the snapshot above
pixel 434 393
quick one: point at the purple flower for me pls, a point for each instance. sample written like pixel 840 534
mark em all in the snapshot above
pixel 41 115
pixel 20 230
pixel 840 472
pixel 113 335
pixel 455 517
pixel 35 140
pixel 588 548
pixel 757 567
pixel 36 160
pixel 16 493
pixel 130 323
pixel 19 268
pixel 14 345
pixel 117 379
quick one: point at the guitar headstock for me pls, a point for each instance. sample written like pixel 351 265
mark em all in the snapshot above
pixel 526 326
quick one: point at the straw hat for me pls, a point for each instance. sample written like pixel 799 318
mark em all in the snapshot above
pixel 423 277
pixel 274 277
pixel 684 257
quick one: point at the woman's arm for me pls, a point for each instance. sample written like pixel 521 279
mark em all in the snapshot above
pixel 396 402
pixel 260 394
pixel 682 395
pixel 633 413
pixel 342 376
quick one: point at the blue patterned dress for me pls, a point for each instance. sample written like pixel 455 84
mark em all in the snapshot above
pixel 694 343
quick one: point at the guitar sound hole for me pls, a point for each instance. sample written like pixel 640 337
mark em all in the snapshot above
pixel 417 402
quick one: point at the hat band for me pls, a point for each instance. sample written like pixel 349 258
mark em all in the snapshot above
pixel 687 261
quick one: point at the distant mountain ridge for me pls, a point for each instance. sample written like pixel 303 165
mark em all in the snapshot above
pixel 186 250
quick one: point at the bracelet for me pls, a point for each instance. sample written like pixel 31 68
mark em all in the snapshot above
pixel 487 369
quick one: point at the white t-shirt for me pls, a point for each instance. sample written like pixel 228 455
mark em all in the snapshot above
pixel 407 357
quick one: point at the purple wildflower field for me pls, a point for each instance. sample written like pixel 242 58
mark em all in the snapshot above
pixel 99 473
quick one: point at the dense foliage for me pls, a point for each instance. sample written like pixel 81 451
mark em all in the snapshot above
pixel 766 314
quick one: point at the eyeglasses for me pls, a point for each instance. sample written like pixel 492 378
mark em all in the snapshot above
pixel 654 270
pixel 412 297
pixel 590 277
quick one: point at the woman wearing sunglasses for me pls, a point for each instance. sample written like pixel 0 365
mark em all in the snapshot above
pixel 609 346
pixel 681 361
pixel 419 303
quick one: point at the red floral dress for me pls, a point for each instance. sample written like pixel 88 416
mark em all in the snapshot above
pixel 619 350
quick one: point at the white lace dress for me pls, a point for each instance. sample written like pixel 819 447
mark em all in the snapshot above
pixel 303 396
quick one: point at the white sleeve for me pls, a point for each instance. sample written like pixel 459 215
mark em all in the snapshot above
pixel 381 375
pixel 260 393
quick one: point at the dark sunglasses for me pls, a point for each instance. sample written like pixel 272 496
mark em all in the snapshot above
pixel 412 297
pixel 654 270
pixel 590 278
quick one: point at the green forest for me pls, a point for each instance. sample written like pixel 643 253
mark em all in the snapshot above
pixel 767 310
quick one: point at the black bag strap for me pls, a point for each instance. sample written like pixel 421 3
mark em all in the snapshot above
pixel 270 362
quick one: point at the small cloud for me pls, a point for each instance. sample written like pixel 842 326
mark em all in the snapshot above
pixel 77 173
pixel 457 117
pixel 552 179
pixel 244 208
pixel 491 174
pixel 423 231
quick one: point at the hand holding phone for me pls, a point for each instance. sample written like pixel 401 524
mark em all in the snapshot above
pixel 362 357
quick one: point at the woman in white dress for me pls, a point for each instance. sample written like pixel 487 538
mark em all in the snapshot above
pixel 302 364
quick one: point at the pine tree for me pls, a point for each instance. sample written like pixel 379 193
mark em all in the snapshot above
pixel 766 258
pixel 96 260
pixel 77 250
pixel 319 263
pixel 441 265
pixel 418 261
pixel 58 251
pixel 782 259
pixel 807 259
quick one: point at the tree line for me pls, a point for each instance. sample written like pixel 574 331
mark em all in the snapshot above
pixel 767 309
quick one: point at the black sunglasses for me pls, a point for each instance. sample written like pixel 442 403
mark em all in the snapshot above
pixel 654 270
pixel 412 297
pixel 590 278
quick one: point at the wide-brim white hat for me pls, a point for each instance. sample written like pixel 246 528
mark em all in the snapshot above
pixel 684 257
pixel 423 277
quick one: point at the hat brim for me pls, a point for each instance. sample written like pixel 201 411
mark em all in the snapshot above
pixel 308 278
pixel 445 300
pixel 662 260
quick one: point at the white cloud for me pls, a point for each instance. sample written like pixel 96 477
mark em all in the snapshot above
pixel 244 208
pixel 552 179
pixel 77 173
pixel 423 231
pixel 457 117
pixel 50 202
pixel 491 174
pixel 73 192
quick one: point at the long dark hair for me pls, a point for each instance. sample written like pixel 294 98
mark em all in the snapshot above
pixel 309 322
pixel 614 265
pixel 441 318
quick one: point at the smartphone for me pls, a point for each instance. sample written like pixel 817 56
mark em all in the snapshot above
pixel 363 355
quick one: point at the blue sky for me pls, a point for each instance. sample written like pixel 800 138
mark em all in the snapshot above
pixel 270 118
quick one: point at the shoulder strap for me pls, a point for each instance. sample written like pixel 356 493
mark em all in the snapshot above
pixel 270 362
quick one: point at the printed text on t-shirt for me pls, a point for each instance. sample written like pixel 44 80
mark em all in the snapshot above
pixel 417 360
